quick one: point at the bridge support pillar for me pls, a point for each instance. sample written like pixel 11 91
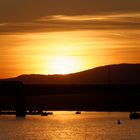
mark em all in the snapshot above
pixel 20 105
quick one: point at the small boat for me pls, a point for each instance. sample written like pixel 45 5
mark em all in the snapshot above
pixel 119 122
pixel 78 112
pixel 46 113
pixel 50 113
pixel 134 115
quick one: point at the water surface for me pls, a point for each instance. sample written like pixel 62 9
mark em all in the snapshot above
pixel 69 126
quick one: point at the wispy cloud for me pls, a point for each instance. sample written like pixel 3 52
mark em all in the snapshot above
pixel 70 18
pixel 107 17
pixel 3 24
pixel 129 20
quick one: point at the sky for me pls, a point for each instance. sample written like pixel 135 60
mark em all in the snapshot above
pixel 66 36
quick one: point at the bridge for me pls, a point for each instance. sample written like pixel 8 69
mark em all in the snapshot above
pixel 82 97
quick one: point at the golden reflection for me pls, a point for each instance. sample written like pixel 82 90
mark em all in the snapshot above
pixel 65 116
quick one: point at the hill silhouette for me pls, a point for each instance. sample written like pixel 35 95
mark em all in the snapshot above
pixel 109 74
pixel 115 97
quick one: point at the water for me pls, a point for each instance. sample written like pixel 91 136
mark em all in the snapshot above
pixel 69 126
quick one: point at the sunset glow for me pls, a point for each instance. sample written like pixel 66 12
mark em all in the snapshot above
pixel 62 65
pixel 66 41
pixel 66 52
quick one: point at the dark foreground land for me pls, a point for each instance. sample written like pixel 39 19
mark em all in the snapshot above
pixel 71 97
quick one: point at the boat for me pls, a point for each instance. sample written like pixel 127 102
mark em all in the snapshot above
pixel 119 122
pixel 46 113
pixel 78 112
pixel 134 115
pixel 50 113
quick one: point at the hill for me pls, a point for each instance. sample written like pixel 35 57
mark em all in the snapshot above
pixel 109 74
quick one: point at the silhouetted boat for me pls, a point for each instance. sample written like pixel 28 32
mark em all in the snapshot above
pixel 134 115
pixel 46 113
pixel 78 112
pixel 119 122
pixel 50 113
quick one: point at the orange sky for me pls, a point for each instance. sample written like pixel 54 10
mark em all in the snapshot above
pixel 61 43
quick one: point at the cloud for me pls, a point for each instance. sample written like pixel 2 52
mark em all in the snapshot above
pixel 59 15
pixel 119 20
pixel 3 24
pixel 70 18
pixel 130 17
pixel 29 10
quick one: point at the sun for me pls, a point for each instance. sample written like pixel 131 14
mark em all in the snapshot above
pixel 62 65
